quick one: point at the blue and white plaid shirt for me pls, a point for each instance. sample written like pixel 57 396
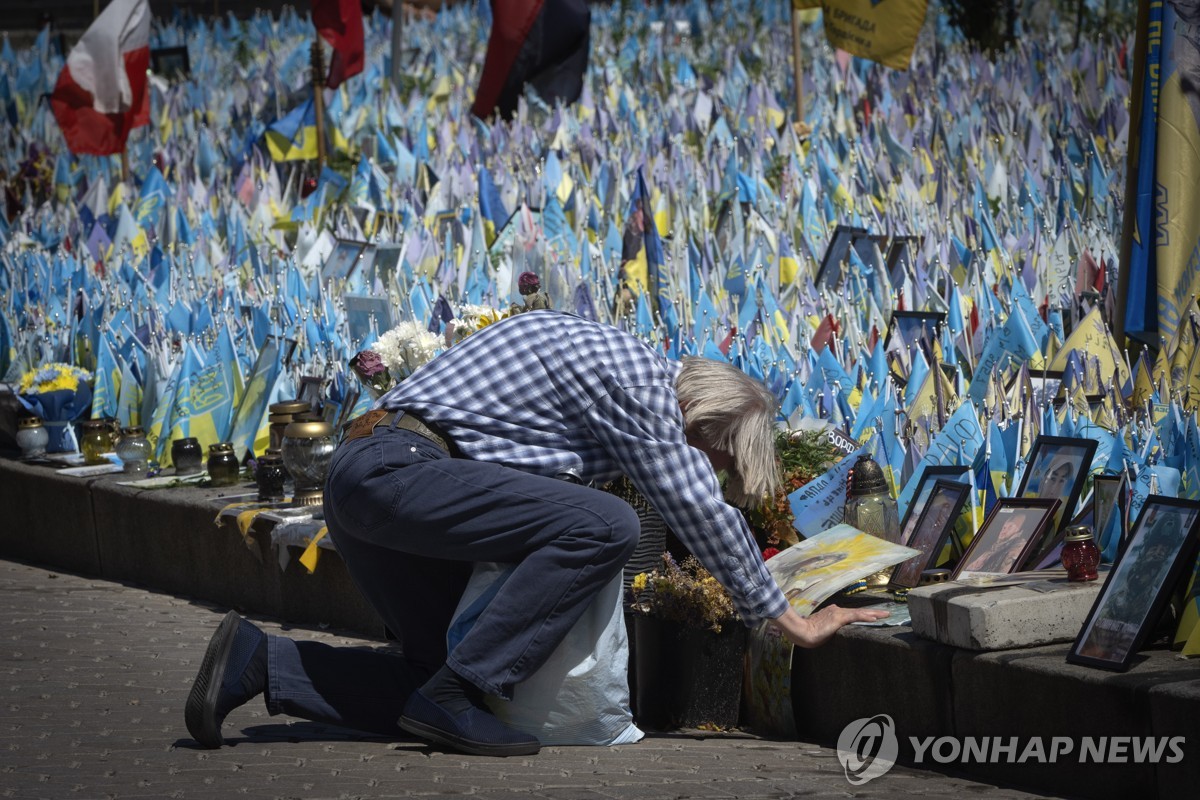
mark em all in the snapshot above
pixel 549 393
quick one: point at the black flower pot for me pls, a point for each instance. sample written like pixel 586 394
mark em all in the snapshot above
pixel 684 677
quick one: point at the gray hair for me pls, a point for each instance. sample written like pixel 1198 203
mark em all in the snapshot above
pixel 734 413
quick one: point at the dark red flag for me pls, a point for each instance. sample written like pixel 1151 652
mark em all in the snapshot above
pixel 543 43
pixel 340 23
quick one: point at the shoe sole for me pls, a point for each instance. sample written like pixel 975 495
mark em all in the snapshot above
pixel 433 734
pixel 202 700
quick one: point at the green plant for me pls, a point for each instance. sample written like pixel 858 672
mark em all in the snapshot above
pixel 803 455
pixel 683 593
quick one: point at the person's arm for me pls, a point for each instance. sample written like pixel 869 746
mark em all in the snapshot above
pixel 642 430
pixel 817 629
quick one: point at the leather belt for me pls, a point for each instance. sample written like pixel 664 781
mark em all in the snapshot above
pixel 366 424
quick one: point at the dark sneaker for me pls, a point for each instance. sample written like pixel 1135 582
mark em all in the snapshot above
pixel 474 731
pixel 234 671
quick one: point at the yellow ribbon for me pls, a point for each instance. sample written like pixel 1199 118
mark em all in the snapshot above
pixel 219 521
pixel 311 553
pixel 245 519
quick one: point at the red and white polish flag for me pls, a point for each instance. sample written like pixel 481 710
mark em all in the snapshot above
pixel 102 93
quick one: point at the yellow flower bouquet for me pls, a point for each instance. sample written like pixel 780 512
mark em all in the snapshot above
pixel 58 393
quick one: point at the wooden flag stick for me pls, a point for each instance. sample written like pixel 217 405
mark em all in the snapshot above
pixel 318 79
pixel 797 70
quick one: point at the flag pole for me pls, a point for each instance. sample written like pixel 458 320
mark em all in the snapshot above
pixel 1140 47
pixel 797 71
pixel 397 37
pixel 318 78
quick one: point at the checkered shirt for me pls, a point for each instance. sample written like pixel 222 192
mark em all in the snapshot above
pixel 551 393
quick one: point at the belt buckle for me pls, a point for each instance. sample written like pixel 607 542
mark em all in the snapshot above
pixel 362 425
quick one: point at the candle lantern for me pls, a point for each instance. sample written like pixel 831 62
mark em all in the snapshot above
pixel 94 441
pixel 269 475
pixel 32 437
pixel 134 450
pixel 1080 555
pixel 281 415
pixel 308 447
pixel 871 509
pixel 187 456
pixel 223 466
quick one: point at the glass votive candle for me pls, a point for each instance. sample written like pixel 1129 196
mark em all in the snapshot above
pixel 187 456
pixel 308 447
pixel 94 441
pixel 223 466
pixel 269 476
pixel 32 437
pixel 1080 555
pixel 134 450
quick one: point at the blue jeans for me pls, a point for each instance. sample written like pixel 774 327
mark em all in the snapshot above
pixel 409 521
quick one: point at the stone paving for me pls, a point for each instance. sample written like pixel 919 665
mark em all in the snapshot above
pixel 94 674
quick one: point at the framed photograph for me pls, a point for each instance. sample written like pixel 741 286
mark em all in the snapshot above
pixel 387 263
pixel 900 256
pixel 925 481
pixel 1161 548
pixel 170 62
pixel 312 391
pixel 343 260
pixel 1008 536
pixel 940 513
pixel 361 310
pixel 913 327
pixel 1110 511
pixel 1058 468
pixel 288 348
pixel 1045 386
pixel 830 272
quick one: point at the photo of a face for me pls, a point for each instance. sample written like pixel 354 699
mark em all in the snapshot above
pixel 1004 539
pixel 938 517
pixel 1057 471
pixel 1125 606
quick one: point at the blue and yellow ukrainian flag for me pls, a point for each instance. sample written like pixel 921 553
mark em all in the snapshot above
pixel 294 136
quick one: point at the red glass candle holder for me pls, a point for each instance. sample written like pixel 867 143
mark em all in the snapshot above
pixel 1080 555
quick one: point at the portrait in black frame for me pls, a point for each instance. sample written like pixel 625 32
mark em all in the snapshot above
pixel 913 328
pixel 1008 536
pixel 170 62
pixel 1058 468
pixel 916 505
pixel 1162 547
pixel 1110 508
pixel 343 260
pixel 938 517
pixel 830 271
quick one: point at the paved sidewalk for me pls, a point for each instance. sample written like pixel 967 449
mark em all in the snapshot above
pixel 94 675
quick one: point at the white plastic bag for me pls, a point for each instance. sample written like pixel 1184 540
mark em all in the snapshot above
pixel 580 696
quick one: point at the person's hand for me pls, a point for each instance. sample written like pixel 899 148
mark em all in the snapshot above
pixel 817 629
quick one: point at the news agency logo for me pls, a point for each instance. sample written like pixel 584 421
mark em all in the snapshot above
pixel 867 748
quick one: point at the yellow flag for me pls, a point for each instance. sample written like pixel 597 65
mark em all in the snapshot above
pixel 1192 648
pixel 304 148
pixel 312 553
pixel 1143 383
pixel 881 30
pixel 1092 337
pixel 1178 193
